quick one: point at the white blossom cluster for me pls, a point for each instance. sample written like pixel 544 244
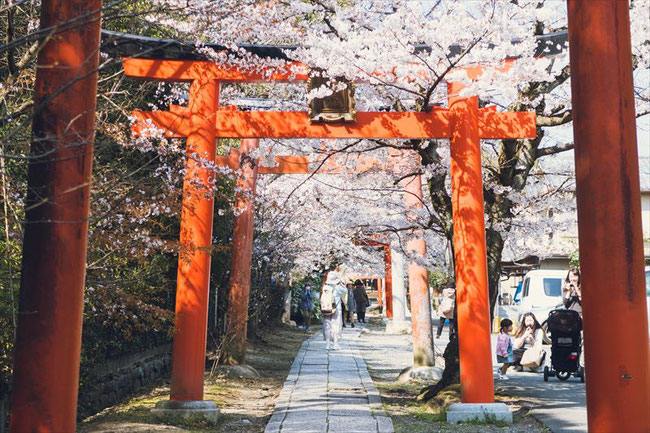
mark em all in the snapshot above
pixel 402 54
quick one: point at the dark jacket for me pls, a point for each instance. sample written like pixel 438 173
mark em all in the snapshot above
pixel 361 298
pixel 573 303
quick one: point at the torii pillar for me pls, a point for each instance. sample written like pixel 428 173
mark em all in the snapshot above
pixel 423 354
pixel 198 123
pixel 609 217
pixel 48 340
pixel 193 279
pixel 242 252
pixel 385 286
pixel 398 323
pixel 388 279
pixel 240 269
pixel 469 125
pixel 380 295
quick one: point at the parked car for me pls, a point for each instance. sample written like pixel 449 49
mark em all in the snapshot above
pixel 542 292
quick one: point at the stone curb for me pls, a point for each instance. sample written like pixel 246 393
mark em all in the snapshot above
pixel 384 422
pixel 283 399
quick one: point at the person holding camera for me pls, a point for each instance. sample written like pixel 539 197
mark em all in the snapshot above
pixel 571 291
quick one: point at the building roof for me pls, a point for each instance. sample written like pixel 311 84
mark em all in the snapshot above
pixel 119 44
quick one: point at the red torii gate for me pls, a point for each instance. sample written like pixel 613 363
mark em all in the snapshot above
pixel 203 122
pixel 388 279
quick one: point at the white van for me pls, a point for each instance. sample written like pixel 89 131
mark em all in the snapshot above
pixel 542 292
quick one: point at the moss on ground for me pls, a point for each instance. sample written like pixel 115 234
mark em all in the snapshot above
pixel 245 404
pixel 411 416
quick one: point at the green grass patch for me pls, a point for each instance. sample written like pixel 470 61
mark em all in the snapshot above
pixel 488 420
pixel 425 414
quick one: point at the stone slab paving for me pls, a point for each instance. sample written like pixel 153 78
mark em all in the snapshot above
pixel 329 392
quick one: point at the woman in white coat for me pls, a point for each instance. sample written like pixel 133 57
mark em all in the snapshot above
pixel 332 322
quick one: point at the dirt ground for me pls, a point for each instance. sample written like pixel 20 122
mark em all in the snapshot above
pixel 245 404
pixel 411 416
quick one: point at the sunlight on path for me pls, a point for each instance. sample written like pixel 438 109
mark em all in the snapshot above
pixel 329 392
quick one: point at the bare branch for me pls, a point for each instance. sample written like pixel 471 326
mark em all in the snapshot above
pixel 553 149
pixel 557 120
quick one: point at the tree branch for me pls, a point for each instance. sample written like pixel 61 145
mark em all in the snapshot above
pixel 561 119
pixel 553 149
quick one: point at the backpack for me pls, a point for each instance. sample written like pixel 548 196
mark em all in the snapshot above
pixel 447 307
pixel 327 303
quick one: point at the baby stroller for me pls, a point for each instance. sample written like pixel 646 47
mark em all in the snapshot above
pixel 566 345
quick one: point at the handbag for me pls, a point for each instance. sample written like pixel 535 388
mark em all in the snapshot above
pixel 447 307
pixel 532 357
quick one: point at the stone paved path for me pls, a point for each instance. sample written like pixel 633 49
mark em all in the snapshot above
pixel 329 392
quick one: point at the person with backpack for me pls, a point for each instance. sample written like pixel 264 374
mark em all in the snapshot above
pixel 446 309
pixel 306 306
pixel 331 309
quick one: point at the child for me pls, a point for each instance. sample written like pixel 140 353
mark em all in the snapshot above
pixel 504 348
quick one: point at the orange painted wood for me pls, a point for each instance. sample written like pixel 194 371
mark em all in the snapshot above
pixel 288 165
pixel 617 360
pixel 188 70
pixel 296 124
pixel 48 341
pixel 518 124
pixel 418 277
pixel 172 125
pixel 179 109
pixel 472 304
pixel 285 164
pixel 193 280
pixel 388 278
pixel 234 351
pixel 228 161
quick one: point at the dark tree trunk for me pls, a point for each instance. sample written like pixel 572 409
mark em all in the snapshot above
pixel 495 244
pixel 451 373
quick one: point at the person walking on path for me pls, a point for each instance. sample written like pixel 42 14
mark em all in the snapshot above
pixel 331 309
pixel 504 348
pixel 529 335
pixel 352 305
pixel 306 306
pixel 344 308
pixel 361 299
pixel 446 309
